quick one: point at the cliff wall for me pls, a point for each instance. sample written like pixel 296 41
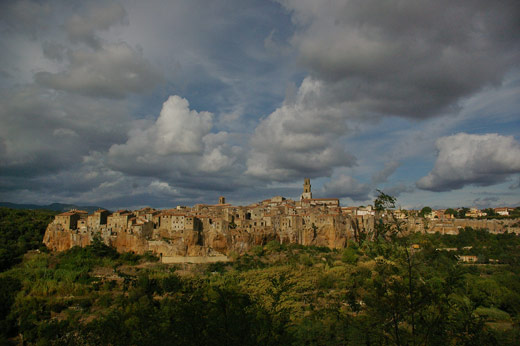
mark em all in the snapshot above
pixel 330 230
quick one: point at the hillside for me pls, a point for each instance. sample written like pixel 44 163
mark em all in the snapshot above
pixel 369 293
pixel 61 207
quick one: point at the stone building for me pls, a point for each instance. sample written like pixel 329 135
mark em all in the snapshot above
pixel 207 230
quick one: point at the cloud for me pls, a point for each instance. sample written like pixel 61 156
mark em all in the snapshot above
pixel 300 138
pixel 113 71
pixel 178 147
pixel 385 173
pixel 28 17
pixel 414 59
pixel 83 28
pixel 515 185
pixel 161 187
pixel 466 159
pixel 44 132
pixel 346 186
pixel 54 51
pixel 178 130
pixel 486 202
pixel 398 189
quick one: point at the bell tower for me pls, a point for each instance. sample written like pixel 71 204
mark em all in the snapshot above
pixel 307 194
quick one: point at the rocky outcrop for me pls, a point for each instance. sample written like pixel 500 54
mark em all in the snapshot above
pixel 169 234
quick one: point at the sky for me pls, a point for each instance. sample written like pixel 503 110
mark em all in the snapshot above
pixel 164 103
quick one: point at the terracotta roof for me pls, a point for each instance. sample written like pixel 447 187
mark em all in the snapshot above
pixel 67 213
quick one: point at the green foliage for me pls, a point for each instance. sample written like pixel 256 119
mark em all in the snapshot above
pixel 384 201
pixel 9 287
pixel 258 250
pixel 378 293
pixel 492 314
pixel 425 211
pixel 21 231
pixel 273 245
pixel 462 212
pixel 350 255
pixel 450 211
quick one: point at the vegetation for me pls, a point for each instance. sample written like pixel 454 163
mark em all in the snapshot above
pixel 21 231
pixel 392 290
pixel 425 211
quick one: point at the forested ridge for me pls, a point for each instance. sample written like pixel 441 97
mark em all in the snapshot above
pixel 393 290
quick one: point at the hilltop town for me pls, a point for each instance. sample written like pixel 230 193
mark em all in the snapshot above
pixel 212 232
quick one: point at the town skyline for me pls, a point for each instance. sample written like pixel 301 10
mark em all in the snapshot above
pixel 124 105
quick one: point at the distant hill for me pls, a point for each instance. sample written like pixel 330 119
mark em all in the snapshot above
pixel 54 206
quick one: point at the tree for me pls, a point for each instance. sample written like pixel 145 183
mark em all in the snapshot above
pixel 424 211
pixel 386 224
pixel 490 212
pixel 384 201
pixel 451 211
pixel 462 212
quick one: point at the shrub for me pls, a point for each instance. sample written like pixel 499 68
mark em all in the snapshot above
pixel 273 246
pixel 350 256
pixel 257 250
pixel 171 283
pixel 492 314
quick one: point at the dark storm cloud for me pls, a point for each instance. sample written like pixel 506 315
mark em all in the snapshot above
pixel 44 132
pixel 81 110
pixel 407 58
pixel 369 59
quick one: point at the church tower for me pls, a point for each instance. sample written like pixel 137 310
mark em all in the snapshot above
pixel 307 194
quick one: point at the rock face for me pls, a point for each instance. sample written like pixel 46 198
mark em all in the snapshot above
pixel 212 230
pixel 203 230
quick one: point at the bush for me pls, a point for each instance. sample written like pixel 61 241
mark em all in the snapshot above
pixel 492 314
pixel 150 257
pixel 350 256
pixel 257 250
pixel 171 283
pixel 129 257
pixel 306 260
pixel 326 281
pixel 273 246
pixel 218 267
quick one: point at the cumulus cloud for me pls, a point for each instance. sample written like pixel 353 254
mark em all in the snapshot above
pixel 178 130
pixel 413 61
pixel 465 159
pixel 300 138
pixel 414 58
pixel 346 186
pixel 113 71
pixel 177 146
